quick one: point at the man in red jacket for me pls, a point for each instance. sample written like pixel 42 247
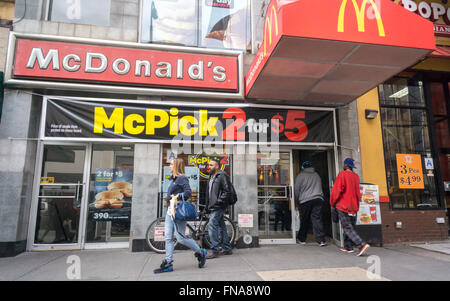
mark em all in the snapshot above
pixel 345 197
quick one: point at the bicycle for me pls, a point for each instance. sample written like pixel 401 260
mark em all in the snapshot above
pixel 197 230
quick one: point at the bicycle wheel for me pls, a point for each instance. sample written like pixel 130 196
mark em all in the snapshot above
pixel 231 230
pixel 155 236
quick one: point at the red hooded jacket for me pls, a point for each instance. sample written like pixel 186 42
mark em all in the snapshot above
pixel 346 195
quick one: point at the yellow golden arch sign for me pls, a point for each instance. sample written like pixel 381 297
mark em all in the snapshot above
pixel 270 19
pixel 360 16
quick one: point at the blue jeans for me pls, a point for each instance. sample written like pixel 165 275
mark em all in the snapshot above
pixel 218 232
pixel 180 228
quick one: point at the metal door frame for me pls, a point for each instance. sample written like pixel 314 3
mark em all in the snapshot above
pixel 31 245
pixel 285 241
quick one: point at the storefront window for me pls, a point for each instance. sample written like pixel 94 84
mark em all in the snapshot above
pixel 198 23
pixel 111 192
pixel 406 131
pixel 81 11
pixel 440 105
pixel 197 171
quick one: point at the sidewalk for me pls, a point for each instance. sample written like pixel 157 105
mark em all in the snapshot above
pixel 282 262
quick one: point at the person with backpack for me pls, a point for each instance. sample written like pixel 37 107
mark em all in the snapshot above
pixel 179 189
pixel 345 197
pixel 219 194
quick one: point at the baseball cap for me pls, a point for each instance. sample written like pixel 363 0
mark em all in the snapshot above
pixel 306 164
pixel 350 162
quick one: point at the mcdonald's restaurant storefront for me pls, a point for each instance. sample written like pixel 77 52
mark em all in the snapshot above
pixel 83 118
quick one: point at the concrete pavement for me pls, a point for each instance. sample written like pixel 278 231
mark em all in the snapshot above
pixel 282 262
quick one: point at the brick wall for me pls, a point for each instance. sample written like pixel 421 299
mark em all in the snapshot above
pixel 416 225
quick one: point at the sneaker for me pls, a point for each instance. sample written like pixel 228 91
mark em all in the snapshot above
pixel 322 244
pixel 363 249
pixel 222 252
pixel 164 267
pixel 211 255
pixel 347 251
pixel 201 257
pixel 301 242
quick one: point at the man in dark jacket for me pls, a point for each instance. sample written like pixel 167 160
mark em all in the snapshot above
pixel 217 196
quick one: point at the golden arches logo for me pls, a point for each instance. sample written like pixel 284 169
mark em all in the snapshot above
pixel 270 19
pixel 360 16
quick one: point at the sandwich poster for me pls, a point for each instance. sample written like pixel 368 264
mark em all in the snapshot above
pixel 113 192
pixel 369 207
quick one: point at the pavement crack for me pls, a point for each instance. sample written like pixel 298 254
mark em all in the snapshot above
pixel 40 266
pixel 143 267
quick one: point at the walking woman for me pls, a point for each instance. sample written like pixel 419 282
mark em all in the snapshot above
pixel 179 186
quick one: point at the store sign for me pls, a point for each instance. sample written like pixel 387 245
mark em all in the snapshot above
pixel 184 123
pixel 220 3
pixel 410 173
pixel 369 207
pixel 134 67
pixel 435 11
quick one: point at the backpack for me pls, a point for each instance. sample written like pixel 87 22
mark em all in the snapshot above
pixel 233 198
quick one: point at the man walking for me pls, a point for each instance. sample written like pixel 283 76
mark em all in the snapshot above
pixel 217 196
pixel 345 197
pixel 309 196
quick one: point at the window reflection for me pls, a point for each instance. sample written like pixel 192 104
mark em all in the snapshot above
pixel 200 23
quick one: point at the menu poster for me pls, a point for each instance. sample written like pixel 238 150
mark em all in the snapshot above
pixel 369 207
pixel 113 193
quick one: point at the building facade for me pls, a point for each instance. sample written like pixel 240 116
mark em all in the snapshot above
pixel 100 96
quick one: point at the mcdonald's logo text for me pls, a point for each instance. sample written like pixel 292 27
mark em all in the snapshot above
pixel 360 16
pixel 271 19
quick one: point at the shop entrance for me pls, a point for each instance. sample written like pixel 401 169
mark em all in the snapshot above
pixel 82 196
pixel 276 180
pixel 321 163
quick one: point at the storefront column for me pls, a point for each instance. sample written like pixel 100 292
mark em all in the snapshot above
pixel 146 183
pixel 19 123
pixel 245 181
pixel 348 133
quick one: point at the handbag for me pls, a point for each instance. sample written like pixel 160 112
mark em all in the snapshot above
pixel 186 211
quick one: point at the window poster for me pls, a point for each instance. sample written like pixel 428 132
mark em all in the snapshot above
pixel 113 194
pixel 410 173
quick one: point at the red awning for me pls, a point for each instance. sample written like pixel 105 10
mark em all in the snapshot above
pixel 441 52
pixel 333 51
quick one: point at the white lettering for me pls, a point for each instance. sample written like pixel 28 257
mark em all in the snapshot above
pixel 220 75
pixel 196 68
pixel 66 61
pixel 438 11
pixel 90 56
pixel 126 66
pixel 36 54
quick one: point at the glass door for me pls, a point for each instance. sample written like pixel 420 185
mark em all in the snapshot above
pixel 275 198
pixel 110 196
pixel 60 195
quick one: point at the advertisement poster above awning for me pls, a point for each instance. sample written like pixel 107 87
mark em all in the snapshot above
pixel 186 123
pixel 333 51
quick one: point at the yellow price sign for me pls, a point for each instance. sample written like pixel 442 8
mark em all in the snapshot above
pixel 410 173
pixel 47 180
